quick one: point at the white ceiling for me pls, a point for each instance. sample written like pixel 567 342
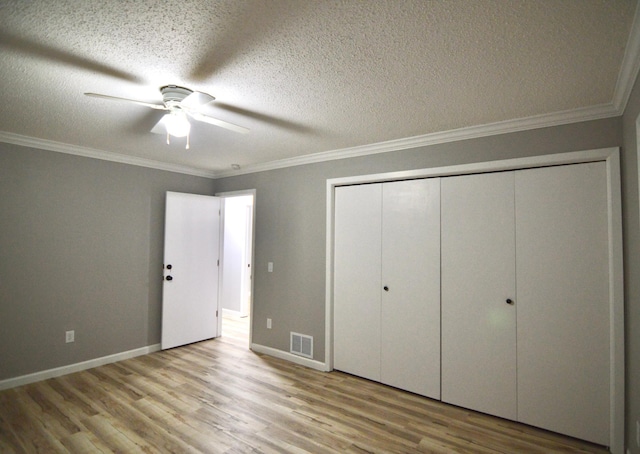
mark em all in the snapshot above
pixel 306 76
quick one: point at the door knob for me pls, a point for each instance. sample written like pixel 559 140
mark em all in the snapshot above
pixel 169 278
pixel 386 289
pixel 509 301
pixel 169 267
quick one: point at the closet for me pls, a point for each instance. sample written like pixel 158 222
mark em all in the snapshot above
pixel 490 291
pixel 387 283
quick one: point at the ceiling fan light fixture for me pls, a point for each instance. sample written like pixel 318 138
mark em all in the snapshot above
pixel 179 102
pixel 177 124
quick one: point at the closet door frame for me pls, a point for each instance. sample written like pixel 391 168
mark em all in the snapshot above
pixel 616 294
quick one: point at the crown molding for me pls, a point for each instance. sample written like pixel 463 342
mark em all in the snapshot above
pixel 43 144
pixel 630 66
pixel 473 132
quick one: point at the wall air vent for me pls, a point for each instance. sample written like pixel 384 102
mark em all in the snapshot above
pixel 302 345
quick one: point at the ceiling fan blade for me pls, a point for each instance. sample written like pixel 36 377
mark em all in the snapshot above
pixel 160 127
pixel 214 121
pixel 196 100
pixel 61 56
pixel 115 98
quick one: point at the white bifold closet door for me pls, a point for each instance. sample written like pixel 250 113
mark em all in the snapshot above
pixel 387 283
pixel 410 309
pixel 357 270
pixel 563 300
pixel 478 280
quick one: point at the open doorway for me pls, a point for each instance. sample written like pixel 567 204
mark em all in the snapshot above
pixel 236 265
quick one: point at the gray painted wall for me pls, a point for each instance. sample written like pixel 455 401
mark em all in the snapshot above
pixel 291 212
pixel 631 232
pixel 81 244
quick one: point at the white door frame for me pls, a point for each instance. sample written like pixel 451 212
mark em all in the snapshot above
pixel 239 193
pixel 616 288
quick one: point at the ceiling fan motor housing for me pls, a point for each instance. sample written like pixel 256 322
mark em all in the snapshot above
pixel 172 94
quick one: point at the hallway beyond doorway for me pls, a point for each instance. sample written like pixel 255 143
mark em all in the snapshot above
pixel 235 330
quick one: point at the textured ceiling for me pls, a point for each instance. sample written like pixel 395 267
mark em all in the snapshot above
pixel 304 76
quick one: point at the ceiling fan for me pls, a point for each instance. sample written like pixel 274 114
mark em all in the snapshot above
pixel 181 104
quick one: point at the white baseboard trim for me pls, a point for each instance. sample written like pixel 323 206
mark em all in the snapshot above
pixel 311 363
pixel 77 367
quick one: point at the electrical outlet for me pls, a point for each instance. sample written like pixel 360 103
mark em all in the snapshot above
pixel 70 336
pixel 270 267
pixel 268 323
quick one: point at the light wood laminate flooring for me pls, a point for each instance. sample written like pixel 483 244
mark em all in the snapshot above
pixel 219 397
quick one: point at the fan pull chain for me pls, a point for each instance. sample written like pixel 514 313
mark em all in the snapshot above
pixel 169 140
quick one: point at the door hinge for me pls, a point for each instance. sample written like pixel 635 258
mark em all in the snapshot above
pixel 218 262
pixel 216 313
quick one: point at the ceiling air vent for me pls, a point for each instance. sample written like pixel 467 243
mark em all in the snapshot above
pixel 302 345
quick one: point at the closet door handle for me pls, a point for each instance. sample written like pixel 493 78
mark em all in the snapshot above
pixel 509 301
pixel 386 289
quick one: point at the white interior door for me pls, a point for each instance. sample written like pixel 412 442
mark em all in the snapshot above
pixel 478 277
pixel 357 245
pixel 410 312
pixel 191 252
pixel 563 300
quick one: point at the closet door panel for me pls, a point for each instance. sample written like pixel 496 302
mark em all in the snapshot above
pixel 478 276
pixel 410 313
pixel 357 267
pixel 563 300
